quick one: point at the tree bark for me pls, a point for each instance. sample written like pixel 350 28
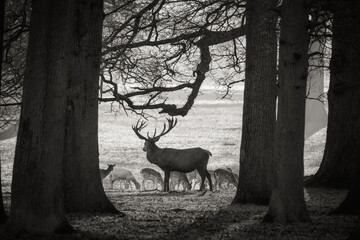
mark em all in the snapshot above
pixel 287 202
pixel 83 188
pixel 351 204
pixel 342 149
pixel 3 216
pixel 355 235
pixel 259 111
pixel 37 202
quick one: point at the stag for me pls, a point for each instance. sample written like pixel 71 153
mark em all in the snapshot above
pixel 169 159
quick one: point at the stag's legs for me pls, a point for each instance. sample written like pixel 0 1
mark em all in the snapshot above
pixel 166 183
pixel 186 185
pixel 202 175
pixel 193 183
pixel 209 179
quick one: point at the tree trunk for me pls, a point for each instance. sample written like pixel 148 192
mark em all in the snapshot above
pixel 287 202
pixel 3 216
pixel 37 202
pixel 83 188
pixel 355 235
pixel 351 204
pixel 342 149
pixel 259 111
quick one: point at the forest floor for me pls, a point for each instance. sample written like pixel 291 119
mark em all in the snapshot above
pixel 202 215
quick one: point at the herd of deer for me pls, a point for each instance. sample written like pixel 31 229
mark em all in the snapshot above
pixel 185 167
pixel 222 178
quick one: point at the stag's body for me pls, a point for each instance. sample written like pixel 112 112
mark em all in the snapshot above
pixel 123 174
pixel 181 160
pixel 169 159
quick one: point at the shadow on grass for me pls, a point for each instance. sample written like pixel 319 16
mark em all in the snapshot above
pixel 211 224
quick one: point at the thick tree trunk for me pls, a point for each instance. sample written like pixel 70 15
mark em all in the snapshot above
pixel 3 216
pixel 287 202
pixel 259 112
pixel 355 235
pixel 37 202
pixel 351 204
pixel 83 189
pixel 342 149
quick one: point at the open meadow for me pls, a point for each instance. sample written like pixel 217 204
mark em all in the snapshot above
pixel 214 125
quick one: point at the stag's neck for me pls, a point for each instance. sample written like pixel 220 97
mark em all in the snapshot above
pixel 153 153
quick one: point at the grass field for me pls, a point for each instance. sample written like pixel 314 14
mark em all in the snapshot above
pixel 212 124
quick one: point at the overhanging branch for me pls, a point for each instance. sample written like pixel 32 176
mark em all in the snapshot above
pixel 208 38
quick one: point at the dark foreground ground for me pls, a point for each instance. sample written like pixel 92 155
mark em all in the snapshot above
pixel 193 215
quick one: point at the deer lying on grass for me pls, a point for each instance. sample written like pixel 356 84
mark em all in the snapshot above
pixel 149 174
pixel 194 178
pixel 123 174
pixel 105 172
pixel 177 178
pixel 169 159
pixel 222 176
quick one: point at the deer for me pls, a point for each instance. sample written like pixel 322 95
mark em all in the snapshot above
pixel 177 178
pixel 152 175
pixel 223 175
pixel 169 159
pixel 123 174
pixel 105 172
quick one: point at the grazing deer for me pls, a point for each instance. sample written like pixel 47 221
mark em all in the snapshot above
pixel 177 178
pixel 105 172
pixel 123 174
pixel 222 175
pixel 194 178
pixel 151 175
pixel 169 159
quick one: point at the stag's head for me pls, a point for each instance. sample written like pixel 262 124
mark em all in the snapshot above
pixel 150 141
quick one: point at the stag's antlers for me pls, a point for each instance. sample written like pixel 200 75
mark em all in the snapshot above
pixel 172 124
pixel 138 128
pixel 142 124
